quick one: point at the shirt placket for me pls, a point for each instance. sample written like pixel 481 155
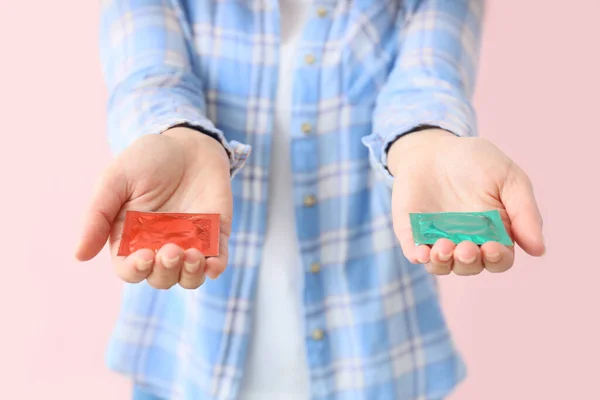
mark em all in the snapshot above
pixel 305 167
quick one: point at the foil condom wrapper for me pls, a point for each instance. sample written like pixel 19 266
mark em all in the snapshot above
pixel 152 230
pixel 477 227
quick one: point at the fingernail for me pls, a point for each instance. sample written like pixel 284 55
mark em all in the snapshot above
pixel 493 257
pixel 191 267
pixel 444 257
pixel 213 275
pixel 170 262
pixel 143 265
pixel 467 260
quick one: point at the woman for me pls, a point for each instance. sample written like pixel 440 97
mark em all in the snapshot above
pixel 317 292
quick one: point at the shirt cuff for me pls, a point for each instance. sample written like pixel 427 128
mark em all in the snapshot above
pixel 396 121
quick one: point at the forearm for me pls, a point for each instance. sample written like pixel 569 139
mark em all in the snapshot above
pixel 149 71
pixel 433 78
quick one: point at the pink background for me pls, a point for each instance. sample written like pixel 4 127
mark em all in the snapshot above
pixel 532 333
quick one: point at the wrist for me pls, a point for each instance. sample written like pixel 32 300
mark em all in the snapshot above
pixel 196 140
pixel 416 144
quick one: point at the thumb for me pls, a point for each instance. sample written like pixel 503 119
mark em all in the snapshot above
pixel 525 218
pixel 109 196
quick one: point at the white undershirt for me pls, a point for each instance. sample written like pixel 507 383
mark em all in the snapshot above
pixel 276 368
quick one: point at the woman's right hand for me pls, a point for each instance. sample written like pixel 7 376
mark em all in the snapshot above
pixel 180 170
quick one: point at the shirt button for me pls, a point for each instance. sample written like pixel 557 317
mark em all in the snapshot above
pixel 306 128
pixel 318 334
pixel 309 59
pixel 321 12
pixel 315 268
pixel 310 201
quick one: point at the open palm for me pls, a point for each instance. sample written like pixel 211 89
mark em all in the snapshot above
pixel 465 175
pixel 179 171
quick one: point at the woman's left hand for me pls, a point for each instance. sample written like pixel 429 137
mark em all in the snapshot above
pixel 435 171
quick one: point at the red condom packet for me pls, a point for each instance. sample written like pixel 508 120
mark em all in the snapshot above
pixel 151 230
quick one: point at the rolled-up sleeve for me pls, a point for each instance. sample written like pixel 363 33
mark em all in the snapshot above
pixel 432 81
pixel 147 62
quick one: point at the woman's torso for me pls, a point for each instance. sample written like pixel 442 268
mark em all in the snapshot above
pixel 372 324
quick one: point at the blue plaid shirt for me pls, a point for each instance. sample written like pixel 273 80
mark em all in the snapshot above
pixel 368 72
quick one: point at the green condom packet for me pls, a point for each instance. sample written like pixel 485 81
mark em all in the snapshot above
pixel 477 227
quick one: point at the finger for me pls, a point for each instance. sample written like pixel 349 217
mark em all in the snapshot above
pixel 467 259
pixel 216 265
pixel 416 254
pixel 526 221
pixel 441 257
pixel 106 203
pixel 192 274
pixel 167 267
pixel 496 257
pixel 136 267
